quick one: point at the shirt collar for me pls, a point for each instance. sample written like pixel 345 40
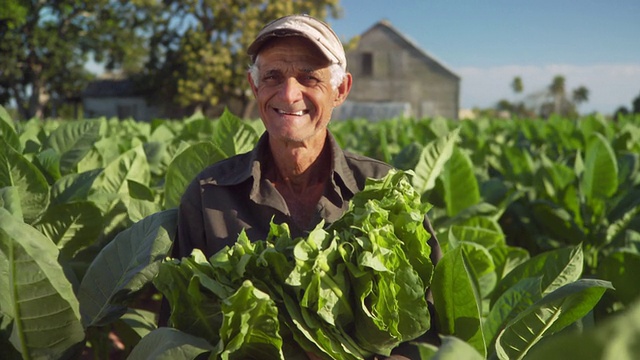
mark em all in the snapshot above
pixel 249 166
pixel 340 169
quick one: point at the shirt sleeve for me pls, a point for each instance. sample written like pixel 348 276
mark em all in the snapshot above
pixel 190 233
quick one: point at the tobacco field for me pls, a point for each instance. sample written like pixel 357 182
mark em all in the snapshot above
pixel 539 222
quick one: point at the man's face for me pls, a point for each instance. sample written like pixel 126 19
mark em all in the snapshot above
pixel 294 92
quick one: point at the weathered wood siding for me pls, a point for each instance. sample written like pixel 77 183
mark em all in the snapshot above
pixel 401 72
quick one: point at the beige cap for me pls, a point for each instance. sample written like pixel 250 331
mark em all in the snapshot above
pixel 306 26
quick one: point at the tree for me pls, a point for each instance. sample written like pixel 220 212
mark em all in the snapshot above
pixel 636 105
pixel 198 48
pixel 517 85
pixel 45 44
pixel 620 113
pixel 580 95
pixel 557 92
pixel 556 101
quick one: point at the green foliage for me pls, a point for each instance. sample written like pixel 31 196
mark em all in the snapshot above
pixel 528 213
pixel 354 289
pixel 45 45
pixel 457 300
pixel 38 305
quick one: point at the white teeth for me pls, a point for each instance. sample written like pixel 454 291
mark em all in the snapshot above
pixel 297 113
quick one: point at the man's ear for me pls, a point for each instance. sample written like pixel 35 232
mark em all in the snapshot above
pixel 343 90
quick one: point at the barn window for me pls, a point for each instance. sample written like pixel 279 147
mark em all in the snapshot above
pixel 367 64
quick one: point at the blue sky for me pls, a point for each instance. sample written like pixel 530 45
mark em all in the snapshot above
pixel 591 43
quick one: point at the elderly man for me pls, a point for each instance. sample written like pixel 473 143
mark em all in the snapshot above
pixel 297 174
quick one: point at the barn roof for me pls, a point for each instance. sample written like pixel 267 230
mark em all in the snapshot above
pixel 410 43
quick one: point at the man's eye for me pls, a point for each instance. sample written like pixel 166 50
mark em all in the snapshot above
pixel 310 80
pixel 269 78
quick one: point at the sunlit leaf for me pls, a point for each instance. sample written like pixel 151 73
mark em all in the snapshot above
pixel 549 315
pixel 73 140
pixel 36 294
pixel 556 268
pixel 432 161
pixel 184 168
pixel 124 266
pixel 16 170
pixel 600 177
pixel 457 300
pixel 170 344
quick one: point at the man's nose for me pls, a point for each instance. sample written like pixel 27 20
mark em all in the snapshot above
pixel 291 90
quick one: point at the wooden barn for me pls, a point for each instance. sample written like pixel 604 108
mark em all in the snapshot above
pixel 395 77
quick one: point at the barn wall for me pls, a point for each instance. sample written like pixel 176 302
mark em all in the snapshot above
pixel 401 73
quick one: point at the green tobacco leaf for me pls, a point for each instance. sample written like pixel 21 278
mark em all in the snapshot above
pixel 8 131
pixel 16 170
pixel 184 168
pixel 193 294
pixel 556 268
pixel 157 155
pixel 622 269
pixel 457 300
pixel 252 326
pixel 512 302
pixel 139 190
pixel 32 134
pixel 615 338
pixel 162 133
pixel 480 230
pixel 618 228
pixel 170 344
pixel 432 161
pixel 102 153
pixel 234 136
pixel 461 188
pixel 517 164
pixel 451 348
pixel 73 187
pixel 506 258
pixel 36 295
pixel 549 315
pixel 131 165
pixel 73 140
pixel 600 176
pixel 139 209
pixel 559 223
pixel 49 163
pixel 134 325
pixel 10 201
pixel 481 264
pixel 408 157
pixel 124 266
pixel 72 227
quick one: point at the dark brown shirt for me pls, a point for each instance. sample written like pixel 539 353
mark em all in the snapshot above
pixel 234 194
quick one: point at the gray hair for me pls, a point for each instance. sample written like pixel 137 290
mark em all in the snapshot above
pixel 337 74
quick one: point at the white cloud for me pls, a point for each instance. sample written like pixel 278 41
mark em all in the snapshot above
pixel 610 85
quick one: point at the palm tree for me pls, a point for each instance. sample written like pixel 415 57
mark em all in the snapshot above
pixel 557 92
pixel 580 95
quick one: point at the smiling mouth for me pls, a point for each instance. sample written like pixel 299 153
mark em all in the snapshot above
pixel 296 113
